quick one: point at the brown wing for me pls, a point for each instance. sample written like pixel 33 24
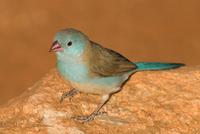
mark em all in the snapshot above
pixel 106 62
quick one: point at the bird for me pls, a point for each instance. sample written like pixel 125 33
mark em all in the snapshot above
pixel 93 69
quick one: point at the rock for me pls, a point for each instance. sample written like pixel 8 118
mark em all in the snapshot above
pixel 166 102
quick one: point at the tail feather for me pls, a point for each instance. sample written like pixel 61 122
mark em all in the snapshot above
pixel 142 66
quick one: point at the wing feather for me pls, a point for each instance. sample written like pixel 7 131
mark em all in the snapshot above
pixel 105 62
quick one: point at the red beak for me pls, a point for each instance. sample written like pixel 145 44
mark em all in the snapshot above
pixel 56 47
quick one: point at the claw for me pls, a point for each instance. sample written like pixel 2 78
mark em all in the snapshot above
pixel 85 119
pixel 69 94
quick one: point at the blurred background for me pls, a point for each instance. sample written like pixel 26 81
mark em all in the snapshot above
pixel 142 30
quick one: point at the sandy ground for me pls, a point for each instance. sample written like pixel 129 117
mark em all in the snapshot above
pixel 142 30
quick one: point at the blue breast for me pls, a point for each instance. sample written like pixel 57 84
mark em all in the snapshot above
pixel 72 71
pixel 77 72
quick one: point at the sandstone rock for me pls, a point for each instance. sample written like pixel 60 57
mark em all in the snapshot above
pixel 166 102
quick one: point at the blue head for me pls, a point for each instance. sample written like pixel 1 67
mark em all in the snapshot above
pixel 69 43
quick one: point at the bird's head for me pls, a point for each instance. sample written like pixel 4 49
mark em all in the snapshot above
pixel 69 43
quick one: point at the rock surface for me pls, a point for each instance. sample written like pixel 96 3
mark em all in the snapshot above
pixel 166 102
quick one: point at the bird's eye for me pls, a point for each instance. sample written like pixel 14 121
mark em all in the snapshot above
pixel 69 43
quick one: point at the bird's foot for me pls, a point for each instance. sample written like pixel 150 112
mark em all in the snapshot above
pixel 85 119
pixel 69 94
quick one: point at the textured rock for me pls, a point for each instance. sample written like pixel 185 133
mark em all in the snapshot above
pixel 166 102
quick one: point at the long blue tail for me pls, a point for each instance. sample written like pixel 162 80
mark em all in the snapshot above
pixel 142 66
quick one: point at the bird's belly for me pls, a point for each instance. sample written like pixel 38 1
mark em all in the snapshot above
pixel 99 85
pixel 93 88
pixel 77 75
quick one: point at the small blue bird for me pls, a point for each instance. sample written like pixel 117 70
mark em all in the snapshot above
pixel 91 68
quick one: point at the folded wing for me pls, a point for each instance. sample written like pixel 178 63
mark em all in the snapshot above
pixel 105 62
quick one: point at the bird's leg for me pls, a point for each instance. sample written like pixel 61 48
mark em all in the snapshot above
pixel 96 112
pixel 69 94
